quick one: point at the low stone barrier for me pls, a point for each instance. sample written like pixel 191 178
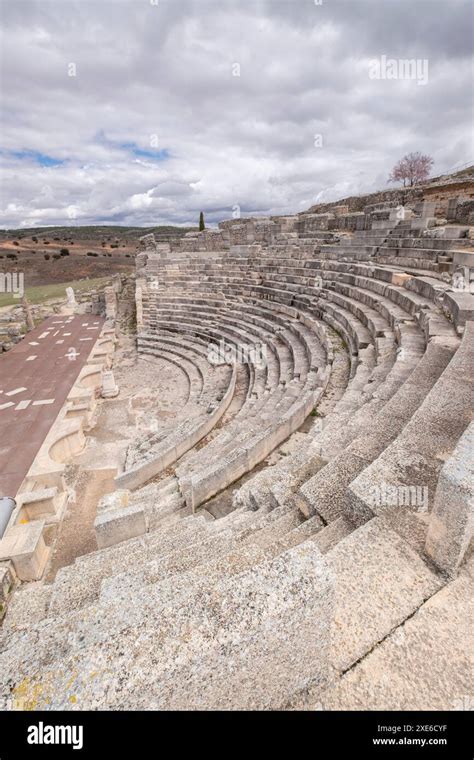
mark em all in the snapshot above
pixel 451 525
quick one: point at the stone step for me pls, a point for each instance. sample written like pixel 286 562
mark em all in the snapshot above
pixel 423 663
pixel 380 582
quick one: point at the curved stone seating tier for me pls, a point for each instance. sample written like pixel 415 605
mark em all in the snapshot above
pixel 340 427
pixel 276 407
pixel 154 453
pixel 431 319
pixel 206 383
pixel 260 389
pixel 245 307
pixel 230 434
pixel 326 492
pixel 370 387
pixel 318 268
pixel 380 327
pixel 400 484
pixel 297 337
pixel 242 341
pixel 391 279
pixel 293 335
pixel 190 367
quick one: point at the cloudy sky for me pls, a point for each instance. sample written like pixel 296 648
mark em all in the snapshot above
pixel 144 112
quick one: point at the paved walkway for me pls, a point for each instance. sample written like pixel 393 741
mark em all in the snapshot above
pixel 35 379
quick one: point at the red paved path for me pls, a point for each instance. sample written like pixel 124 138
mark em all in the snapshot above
pixel 48 377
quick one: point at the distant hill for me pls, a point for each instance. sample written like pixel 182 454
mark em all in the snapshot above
pixel 97 230
pixel 49 255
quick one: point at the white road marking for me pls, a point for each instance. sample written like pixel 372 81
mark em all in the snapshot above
pixel 59 341
pixel 66 335
pixel 56 333
pixel 17 390
pixel 84 324
pixel 30 358
pixel 5 406
pixel 43 402
pixel 86 339
pixel 43 335
pixel 33 343
pixel 22 405
pixel 92 328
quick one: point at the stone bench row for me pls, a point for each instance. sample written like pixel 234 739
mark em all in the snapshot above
pixel 244 338
pixel 326 492
pixel 261 316
pixel 253 409
pixel 291 334
pixel 254 450
pixel 452 299
pixel 398 315
pixel 140 467
pixel 411 464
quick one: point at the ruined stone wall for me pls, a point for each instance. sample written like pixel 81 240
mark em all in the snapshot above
pixel 440 192
pixel 353 204
pixel 464 212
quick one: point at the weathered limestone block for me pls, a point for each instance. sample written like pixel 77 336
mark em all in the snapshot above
pixel 116 521
pixel 464 211
pixel 255 640
pixel 140 289
pixel 451 209
pixel 425 209
pixel 7 581
pixel 464 259
pixel 25 546
pixel 147 242
pixel 452 519
pixel 95 303
pixel 110 303
pixel 71 298
pixel 109 388
pixel 116 525
pixel 41 502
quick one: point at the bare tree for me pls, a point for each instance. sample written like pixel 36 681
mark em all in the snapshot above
pixel 412 169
